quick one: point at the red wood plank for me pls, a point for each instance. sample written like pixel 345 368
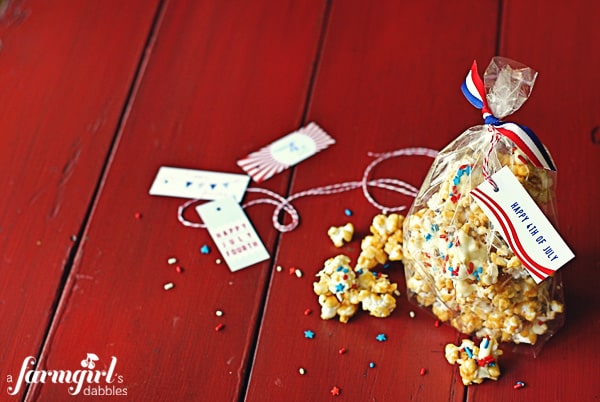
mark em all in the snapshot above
pixel 389 78
pixel 223 79
pixel 65 71
pixel 563 110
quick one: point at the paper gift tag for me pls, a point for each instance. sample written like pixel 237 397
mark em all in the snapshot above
pixel 523 225
pixel 233 233
pixel 285 152
pixel 199 184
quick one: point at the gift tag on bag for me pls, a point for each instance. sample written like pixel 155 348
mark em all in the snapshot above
pixel 233 234
pixel 523 225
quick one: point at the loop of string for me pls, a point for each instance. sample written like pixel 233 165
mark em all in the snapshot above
pixel 285 203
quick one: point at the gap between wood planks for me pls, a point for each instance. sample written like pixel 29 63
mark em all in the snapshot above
pixel 309 93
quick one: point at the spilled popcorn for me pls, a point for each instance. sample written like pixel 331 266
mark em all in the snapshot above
pixel 475 363
pixel 341 234
pixel 342 288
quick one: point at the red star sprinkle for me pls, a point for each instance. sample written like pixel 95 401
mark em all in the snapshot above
pixel 335 391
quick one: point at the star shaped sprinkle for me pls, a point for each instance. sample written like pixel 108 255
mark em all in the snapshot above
pixel 309 334
pixel 339 288
pixel 335 391
pixel 205 249
pixel 381 337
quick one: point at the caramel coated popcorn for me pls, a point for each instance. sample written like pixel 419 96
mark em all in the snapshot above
pixel 475 363
pixel 457 265
pixel 341 234
pixel 342 289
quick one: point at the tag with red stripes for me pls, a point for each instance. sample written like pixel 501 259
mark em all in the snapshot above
pixel 523 225
pixel 285 152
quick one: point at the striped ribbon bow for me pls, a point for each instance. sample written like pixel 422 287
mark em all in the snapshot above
pixel 521 136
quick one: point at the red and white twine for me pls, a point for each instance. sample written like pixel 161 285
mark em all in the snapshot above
pixel 285 203
pixel 485 168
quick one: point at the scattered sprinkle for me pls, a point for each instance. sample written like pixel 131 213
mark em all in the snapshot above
pixel 299 273
pixel 342 351
pixel 519 384
pixel 73 238
pixel 219 327
pixel 411 314
pixel 301 371
pixel 335 391
pixel 309 334
pixel 372 365
pixel 307 311
pixel 172 261
pixel 397 292
pixel 168 286
pixel 38 243
pixel 436 323
pixel 179 269
pixel 423 371
pixel 381 337
pixel 219 313
pixel 292 270
pixel 138 215
pixel 218 260
pixel 279 268
pixel 205 249
pixel 347 212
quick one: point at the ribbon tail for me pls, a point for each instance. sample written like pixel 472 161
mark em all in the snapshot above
pixel 474 90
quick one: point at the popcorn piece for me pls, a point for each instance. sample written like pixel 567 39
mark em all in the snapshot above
pixel 341 234
pixel 337 289
pixel 384 243
pixel 475 363
pixel 372 253
pixel 378 305
pixel 376 294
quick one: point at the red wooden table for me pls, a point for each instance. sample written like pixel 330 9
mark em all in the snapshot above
pixel 98 95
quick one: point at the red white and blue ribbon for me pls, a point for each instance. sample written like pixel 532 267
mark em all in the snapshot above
pixel 521 136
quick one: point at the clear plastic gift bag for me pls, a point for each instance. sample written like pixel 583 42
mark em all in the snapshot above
pixel 456 264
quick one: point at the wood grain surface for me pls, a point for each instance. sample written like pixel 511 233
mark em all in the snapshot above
pixel 98 95
pixel 65 72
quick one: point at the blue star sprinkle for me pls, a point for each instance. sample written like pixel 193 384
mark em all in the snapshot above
pixel 309 334
pixel 381 337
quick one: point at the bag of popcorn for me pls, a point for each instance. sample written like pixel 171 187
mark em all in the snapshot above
pixel 457 262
